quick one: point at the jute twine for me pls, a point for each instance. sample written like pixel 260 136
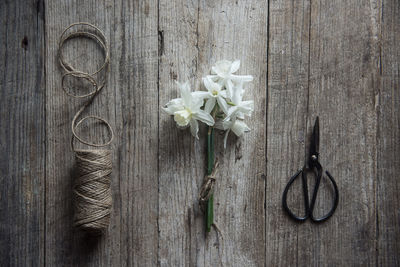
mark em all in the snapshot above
pixel 206 190
pixel 92 186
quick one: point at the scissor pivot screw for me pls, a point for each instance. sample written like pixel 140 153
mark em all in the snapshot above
pixel 314 157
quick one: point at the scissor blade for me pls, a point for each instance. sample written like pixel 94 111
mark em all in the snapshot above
pixel 314 148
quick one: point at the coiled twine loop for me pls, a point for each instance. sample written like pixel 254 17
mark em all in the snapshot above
pixel 92 185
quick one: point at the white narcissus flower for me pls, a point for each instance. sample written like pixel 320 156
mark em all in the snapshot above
pixel 238 127
pixel 215 95
pixel 186 110
pixel 223 74
pixel 239 107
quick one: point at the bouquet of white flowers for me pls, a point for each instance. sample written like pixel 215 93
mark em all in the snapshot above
pixel 221 107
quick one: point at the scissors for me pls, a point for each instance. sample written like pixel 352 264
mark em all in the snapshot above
pixel 311 165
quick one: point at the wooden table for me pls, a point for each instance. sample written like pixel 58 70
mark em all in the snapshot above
pixel 336 59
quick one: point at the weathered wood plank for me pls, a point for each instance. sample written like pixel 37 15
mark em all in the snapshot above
pixel 136 83
pixel 181 158
pixel 238 30
pixel 344 55
pixel 129 101
pixel 22 133
pixel 388 159
pixel 336 59
pixel 288 71
pixel 195 36
pixel 64 245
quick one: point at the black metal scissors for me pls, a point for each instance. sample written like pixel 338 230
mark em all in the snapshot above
pixel 311 165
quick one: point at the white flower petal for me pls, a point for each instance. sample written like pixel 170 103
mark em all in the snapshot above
pixel 204 117
pixel 169 110
pixel 227 125
pixel 222 68
pixel 194 128
pixel 213 78
pixel 197 103
pixel 229 88
pixel 212 87
pixel 221 82
pixel 237 93
pixel 217 71
pixel 231 113
pixel 219 124
pixel 173 105
pixel 241 78
pixel 200 94
pixel 185 93
pixel 207 83
pixel 235 66
pixel 210 104
pixel 226 138
pixel 240 115
pixel 222 104
pixel 247 107
pixel 239 127
pixel 223 94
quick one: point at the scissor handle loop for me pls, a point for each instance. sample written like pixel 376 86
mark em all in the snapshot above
pixel 335 202
pixel 305 193
pixel 309 206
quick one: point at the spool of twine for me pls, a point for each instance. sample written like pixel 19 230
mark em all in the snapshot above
pixel 92 185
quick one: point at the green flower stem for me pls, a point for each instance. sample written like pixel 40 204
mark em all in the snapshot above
pixel 210 165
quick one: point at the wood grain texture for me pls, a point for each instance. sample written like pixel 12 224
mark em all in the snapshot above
pixel 128 101
pixel 388 141
pixel 181 158
pixel 337 59
pixel 236 30
pixel 64 245
pixel 22 134
pixel 195 36
pixel 136 58
pixel 288 72
pixel 344 55
pixel 340 81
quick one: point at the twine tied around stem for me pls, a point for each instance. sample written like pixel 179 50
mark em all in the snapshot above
pixel 207 188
